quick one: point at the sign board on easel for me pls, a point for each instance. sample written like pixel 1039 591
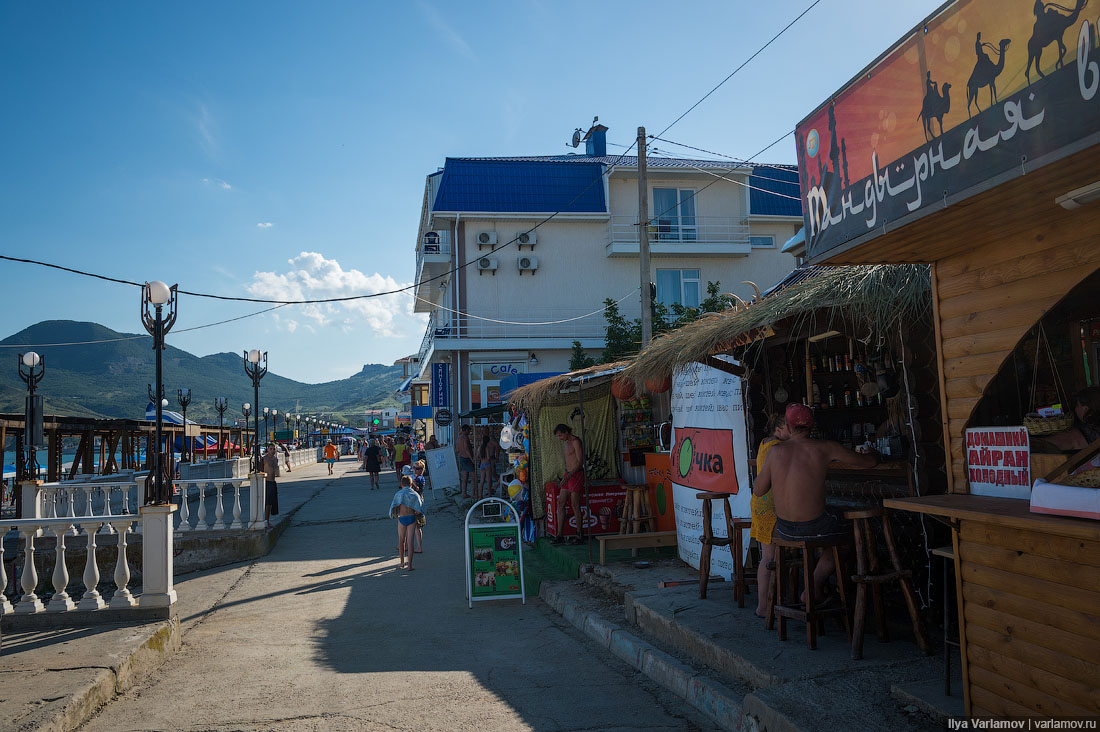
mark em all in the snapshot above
pixel 442 468
pixel 494 552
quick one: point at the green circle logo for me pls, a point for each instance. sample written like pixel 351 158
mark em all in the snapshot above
pixel 662 501
pixel 687 452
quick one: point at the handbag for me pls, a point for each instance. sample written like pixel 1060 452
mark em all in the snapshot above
pixel 421 520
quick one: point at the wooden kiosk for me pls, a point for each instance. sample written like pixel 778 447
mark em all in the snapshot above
pixel 1002 196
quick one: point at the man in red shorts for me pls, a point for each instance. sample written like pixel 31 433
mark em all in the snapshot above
pixel 571 484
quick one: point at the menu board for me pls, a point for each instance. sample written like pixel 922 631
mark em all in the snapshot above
pixel 494 561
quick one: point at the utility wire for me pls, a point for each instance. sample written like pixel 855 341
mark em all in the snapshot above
pixel 743 65
pixel 746 185
pixel 516 322
pixel 726 168
pixel 718 154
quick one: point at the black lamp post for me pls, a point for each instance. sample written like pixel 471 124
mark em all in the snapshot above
pixel 184 398
pixel 255 371
pixel 298 429
pixel 274 425
pixel 288 418
pixel 32 368
pixel 267 416
pixel 220 406
pixel 158 295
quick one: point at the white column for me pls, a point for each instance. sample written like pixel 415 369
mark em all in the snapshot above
pixel 29 603
pixel 219 509
pixel 122 598
pixel 107 528
pixel 200 524
pixel 157 570
pixel 32 499
pixel 61 601
pixel 185 511
pixel 5 606
pixel 256 501
pixel 92 600
pixel 49 497
pixel 236 506
pixel 88 500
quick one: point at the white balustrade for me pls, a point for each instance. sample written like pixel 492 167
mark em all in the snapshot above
pixel 219 508
pixel 185 512
pixel 220 487
pixel 61 602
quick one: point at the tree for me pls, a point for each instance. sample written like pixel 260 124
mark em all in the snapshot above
pixel 579 359
pixel 623 338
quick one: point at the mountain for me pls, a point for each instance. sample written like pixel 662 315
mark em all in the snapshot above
pixel 110 376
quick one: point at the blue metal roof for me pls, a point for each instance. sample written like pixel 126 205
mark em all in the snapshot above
pixel 520 186
pixel 774 179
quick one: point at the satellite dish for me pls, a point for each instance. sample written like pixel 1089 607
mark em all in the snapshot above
pixel 577 137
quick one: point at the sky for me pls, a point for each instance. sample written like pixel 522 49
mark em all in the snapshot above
pixel 276 149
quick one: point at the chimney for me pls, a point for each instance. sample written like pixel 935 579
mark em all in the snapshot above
pixel 595 140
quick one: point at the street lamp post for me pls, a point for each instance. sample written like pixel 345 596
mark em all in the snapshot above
pixel 157 294
pixel 298 428
pixel 267 415
pixel 274 425
pixel 256 372
pixel 246 410
pixel 220 405
pixel 32 368
pixel 184 398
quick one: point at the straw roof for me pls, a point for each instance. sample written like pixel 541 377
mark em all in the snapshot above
pixel 873 299
pixel 531 397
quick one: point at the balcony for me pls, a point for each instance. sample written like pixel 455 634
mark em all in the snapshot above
pixel 466 333
pixel 433 258
pixel 694 236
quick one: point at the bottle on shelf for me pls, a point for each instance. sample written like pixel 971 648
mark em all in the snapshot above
pixel 847 397
pixel 847 362
pixel 832 397
pixel 860 401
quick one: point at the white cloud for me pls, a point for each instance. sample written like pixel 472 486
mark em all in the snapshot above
pixel 449 34
pixel 313 277
pixel 264 225
pixel 217 182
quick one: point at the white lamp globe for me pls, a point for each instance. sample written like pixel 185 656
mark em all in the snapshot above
pixel 158 292
pixel 246 405
pixel 274 412
pixel 254 355
pixel 163 402
pixel 266 410
pixel 31 359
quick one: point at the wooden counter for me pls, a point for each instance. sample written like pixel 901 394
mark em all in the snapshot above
pixel 1029 605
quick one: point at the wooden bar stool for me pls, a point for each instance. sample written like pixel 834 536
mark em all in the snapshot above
pixel 734 529
pixel 788 608
pixel 637 514
pixel 870 572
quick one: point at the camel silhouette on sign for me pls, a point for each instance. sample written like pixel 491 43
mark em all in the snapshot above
pixel 1050 25
pixel 936 105
pixel 985 74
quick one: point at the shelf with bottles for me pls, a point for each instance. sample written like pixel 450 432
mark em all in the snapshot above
pixel 638 435
pixel 643 415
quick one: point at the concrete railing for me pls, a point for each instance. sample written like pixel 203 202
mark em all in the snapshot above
pixel 221 490
pixel 102 499
pixel 156 568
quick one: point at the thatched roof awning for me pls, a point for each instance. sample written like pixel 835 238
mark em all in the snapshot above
pixel 876 298
pixel 531 397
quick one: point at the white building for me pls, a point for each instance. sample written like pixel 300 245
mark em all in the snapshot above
pixel 517 310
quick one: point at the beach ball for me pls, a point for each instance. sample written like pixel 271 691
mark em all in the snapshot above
pixel 514 489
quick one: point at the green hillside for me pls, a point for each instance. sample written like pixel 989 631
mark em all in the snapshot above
pixel 110 379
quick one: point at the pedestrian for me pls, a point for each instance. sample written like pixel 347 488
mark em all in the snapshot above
pixel 433 443
pixel 762 509
pixel 416 472
pixel 400 454
pixel 330 455
pixel 464 451
pixel 270 468
pixel 406 506
pixel 484 467
pixel 571 484
pixel 286 456
pixel 372 459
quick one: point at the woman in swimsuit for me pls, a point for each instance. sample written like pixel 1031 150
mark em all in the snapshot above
pixel 407 505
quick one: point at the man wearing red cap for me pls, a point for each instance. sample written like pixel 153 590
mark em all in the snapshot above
pixel 795 474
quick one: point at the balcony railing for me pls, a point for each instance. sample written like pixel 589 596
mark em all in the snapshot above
pixel 527 324
pixel 693 229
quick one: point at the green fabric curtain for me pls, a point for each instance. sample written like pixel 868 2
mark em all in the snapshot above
pixel 599 438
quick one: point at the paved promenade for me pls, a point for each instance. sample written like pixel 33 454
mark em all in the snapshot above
pixel 326 633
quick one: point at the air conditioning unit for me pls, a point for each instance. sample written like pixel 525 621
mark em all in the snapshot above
pixel 528 263
pixel 488 264
pixel 487 239
pixel 527 238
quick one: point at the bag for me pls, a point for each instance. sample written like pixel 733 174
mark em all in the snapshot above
pixel 421 520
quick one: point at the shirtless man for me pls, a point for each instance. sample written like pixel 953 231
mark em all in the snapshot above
pixel 795 474
pixel 464 451
pixel 571 484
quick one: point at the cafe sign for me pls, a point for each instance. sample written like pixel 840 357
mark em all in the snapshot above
pixel 981 92
pixel 998 461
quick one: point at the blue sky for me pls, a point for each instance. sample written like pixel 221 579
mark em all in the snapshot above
pixel 281 147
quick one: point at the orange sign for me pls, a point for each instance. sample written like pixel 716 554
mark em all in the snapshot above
pixel 703 459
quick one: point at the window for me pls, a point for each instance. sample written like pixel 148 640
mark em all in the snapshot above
pixel 678 286
pixel 674 214
pixel 762 242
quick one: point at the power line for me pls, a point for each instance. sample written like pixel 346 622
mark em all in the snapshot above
pixel 516 322
pixel 723 155
pixel 727 168
pixel 743 65
pixel 747 185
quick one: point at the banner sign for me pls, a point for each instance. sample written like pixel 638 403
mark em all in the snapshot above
pixel 998 461
pixel 494 554
pixel 710 453
pixel 979 93
pixel 441 385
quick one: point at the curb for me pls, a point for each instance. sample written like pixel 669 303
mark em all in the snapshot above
pixel 716 701
pixel 162 641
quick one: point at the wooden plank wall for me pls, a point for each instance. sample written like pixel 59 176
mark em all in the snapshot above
pixel 987 299
pixel 1031 602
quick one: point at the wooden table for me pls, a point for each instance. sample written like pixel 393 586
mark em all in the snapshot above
pixel 1028 588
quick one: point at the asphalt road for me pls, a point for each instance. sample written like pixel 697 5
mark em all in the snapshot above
pixel 326 633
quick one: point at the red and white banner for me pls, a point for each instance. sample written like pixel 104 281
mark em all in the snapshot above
pixel 998 461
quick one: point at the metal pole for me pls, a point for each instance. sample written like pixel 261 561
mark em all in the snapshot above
pixel 584 449
pixel 643 241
